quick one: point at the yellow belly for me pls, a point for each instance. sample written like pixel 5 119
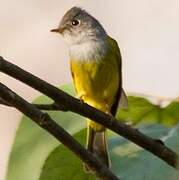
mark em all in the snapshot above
pixel 96 83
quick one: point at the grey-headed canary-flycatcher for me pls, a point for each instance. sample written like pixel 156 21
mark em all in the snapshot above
pixel 95 61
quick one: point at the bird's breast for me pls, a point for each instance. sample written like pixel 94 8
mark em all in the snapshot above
pixel 89 51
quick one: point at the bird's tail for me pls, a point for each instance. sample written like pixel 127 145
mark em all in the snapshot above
pixel 96 144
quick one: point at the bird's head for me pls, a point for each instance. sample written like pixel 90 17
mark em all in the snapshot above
pixel 77 26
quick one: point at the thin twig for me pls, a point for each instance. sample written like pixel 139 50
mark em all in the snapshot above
pixel 45 121
pixel 75 105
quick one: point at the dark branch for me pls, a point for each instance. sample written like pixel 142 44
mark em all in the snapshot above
pixel 45 121
pixel 47 107
pixel 72 104
pixel 4 103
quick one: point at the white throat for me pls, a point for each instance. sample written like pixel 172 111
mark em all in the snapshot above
pixel 92 50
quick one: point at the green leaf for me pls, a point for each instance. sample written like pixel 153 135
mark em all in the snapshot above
pixel 170 114
pixel 131 162
pixel 63 164
pixel 143 111
pixel 32 145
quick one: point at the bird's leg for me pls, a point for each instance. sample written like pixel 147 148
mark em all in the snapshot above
pixel 107 107
pixel 81 97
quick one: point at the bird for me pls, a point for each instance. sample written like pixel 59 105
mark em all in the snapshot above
pixel 96 69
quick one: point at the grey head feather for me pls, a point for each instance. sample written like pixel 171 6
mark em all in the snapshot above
pixel 71 14
pixel 88 29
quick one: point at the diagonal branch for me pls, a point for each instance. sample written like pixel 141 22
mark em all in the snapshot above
pixel 45 121
pixel 47 107
pixel 67 102
pixel 4 102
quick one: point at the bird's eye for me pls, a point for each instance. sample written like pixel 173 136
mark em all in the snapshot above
pixel 75 22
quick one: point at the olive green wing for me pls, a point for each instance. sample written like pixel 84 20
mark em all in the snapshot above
pixel 121 98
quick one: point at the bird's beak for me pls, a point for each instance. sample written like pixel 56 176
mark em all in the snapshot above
pixel 58 30
pixel 54 30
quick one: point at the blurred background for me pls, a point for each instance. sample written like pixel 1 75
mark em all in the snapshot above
pixel 146 31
